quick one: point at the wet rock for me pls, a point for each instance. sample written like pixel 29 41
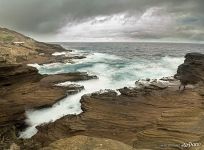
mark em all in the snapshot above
pixel 134 92
pixel 157 85
pixel 73 88
pixel 144 118
pixel 12 73
pixel 68 58
pixel 151 84
pixel 142 121
pixel 141 83
pixel 106 92
pixel 21 87
pixel 148 79
pixel 63 77
pixel 191 71
pixel 169 79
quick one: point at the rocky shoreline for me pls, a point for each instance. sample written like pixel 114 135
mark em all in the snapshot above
pixel 22 87
pixel 149 117
pixel 153 115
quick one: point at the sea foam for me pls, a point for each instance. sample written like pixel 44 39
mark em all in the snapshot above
pixel 114 72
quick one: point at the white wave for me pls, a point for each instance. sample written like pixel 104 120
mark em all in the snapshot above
pixel 59 53
pixel 34 65
pixel 64 84
pixel 69 105
pixel 113 72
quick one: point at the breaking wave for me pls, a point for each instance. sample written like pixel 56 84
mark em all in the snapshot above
pixel 113 71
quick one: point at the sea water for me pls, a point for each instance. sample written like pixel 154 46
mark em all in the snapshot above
pixel 116 65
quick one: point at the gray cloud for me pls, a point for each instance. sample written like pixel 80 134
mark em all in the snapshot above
pixel 47 17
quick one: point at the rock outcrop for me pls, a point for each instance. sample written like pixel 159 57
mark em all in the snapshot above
pixel 191 71
pixel 17 48
pixel 144 118
pixel 155 119
pixel 22 87
pixel 151 116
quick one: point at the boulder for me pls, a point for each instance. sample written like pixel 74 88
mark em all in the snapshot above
pixel 151 84
pixel 169 79
pixel 157 85
pixel 73 88
pixel 191 71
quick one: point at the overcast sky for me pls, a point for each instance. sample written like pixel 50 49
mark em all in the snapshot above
pixel 106 20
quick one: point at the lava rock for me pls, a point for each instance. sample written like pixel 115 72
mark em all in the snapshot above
pixel 192 70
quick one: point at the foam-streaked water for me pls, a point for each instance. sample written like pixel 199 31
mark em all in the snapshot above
pixel 114 71
pixel 141 50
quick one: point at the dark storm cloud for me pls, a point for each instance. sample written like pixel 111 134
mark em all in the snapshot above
pixel 48 16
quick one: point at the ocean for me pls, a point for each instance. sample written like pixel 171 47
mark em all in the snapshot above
pixel 132 50
pixel 116 64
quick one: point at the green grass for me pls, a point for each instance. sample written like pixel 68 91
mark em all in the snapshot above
pixel 6 38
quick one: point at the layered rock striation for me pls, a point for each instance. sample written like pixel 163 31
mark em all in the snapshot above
pixel 191 71
pixel 22 87
pixel 153 116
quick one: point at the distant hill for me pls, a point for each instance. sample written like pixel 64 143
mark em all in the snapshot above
pixel 18 48
pixel 7 35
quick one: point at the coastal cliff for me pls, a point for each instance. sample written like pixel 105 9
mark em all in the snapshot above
pixel 144 118
pixel 17 48
pixel 155 115
pixel 191 71
pixel 22 87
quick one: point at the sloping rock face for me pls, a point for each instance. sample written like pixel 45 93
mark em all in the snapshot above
pixel 161 119
pixel 11 77
pixel 144 118
pixel 22 88
pixel 155 117
pixel 87 143
pixel 17 48
pixel 192 70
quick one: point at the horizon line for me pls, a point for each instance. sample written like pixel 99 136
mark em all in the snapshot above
pixel 167 42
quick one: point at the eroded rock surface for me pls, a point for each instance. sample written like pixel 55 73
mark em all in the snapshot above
pixel 87 143
pixel 154 116
pixel 22 87
pixel 18 48
pixel 191 71
pixel 144 118
pixel 160 118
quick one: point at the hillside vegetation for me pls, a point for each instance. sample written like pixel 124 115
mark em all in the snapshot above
pixel 17 48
